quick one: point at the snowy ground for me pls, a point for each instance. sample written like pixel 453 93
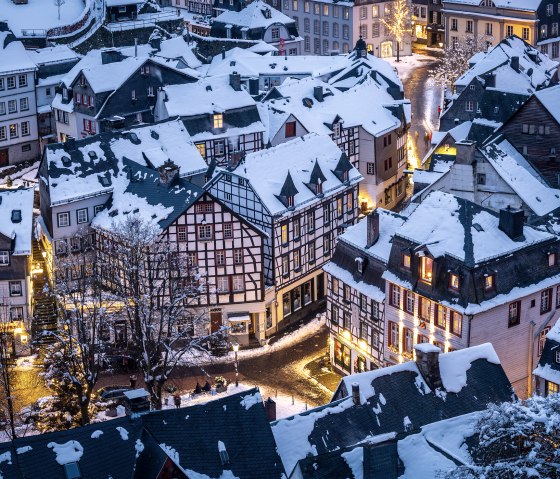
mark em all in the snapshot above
pixel 408 64
pixel 289 340
pixel 39 14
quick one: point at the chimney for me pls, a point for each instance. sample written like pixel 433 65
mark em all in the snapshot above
pixel 110 55
pixel 70 143
pixel 318 93
pixel 356 394
pixel 427 362
pixel 372 228
pixel 515 63
pixel 511 223
pixel 235 81
pixel 168 172
pixel 490 80
pixel 270 410
pixel 465 152
pixel 253 86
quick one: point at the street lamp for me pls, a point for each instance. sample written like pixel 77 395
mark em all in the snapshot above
pixel 235 349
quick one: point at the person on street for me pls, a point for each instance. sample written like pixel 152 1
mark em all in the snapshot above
pixel 177 400
pixel 426 140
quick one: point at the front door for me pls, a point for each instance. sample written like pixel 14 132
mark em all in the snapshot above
pixel 215 321
pixel 4 157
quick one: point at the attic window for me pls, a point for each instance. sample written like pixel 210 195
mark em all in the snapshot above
pixel 489 282
pixel 290 201
pixel 218 121
pixel 16 216
pixel 454 281
pixel 360 264
pixel 551 256
pixel 72 471
pixel 426 269
pixel 336 130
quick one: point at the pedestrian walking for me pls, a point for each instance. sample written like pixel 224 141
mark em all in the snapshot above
pixel 177 400
pixel 426 140
pixel 439 110
pixel 430 136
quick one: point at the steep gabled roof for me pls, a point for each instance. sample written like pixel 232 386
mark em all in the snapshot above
pixel 18 228
pixel 548 368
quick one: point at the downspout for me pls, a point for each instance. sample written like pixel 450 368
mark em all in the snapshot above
pixel 470 317
pixel 530 359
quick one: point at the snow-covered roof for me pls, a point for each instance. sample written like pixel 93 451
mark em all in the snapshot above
pixel 535 68
pixel 13 55
pixel 80 173
pixel 394 399
pixel 267 170
pixel 529 5
pixel 548 367
pixel 116 3
pixel 448 225
pixel 253 16
pixel 105 77
pixel 366 104
pixel 18 227
pixel 206 96
pixel 389 223
pixel 550 99
pixel 56 54
pixel 522 177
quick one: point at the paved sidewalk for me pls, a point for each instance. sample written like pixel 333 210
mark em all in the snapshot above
pixel 321 371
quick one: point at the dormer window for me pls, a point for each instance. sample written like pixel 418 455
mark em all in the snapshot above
pixel 82 80
pixel 319 188
pixel 290 201
pixel 218 121
pixel 16 216
pixel 65 93
pixel 405 262
pixel 145 70
pixel 489 282
pixel 336 130
pixel 72 471
pixel 4 258
pixel 360 265
pixel 426 269
pixel 454 281
pixel 557 357
pixel 551 259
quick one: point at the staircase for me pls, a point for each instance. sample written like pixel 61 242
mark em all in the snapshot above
pixel 44 307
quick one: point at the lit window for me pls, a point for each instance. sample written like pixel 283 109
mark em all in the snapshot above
pixel 201 147
pixel 406 261
pixel 218 120
pixel 426 265
pixel 454 281
pixel 489 282
pixel 551 259
pixel 284 233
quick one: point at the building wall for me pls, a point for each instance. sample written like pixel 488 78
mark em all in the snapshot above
pixel 490 24
pixel 325 26
pixel 19 147
pixel 367 23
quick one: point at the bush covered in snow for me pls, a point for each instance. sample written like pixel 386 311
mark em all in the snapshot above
pixel 516 441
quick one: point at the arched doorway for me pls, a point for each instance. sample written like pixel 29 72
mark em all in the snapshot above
pixel 386 49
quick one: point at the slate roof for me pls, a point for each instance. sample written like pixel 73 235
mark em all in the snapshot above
pixel 395 399
pixel 78 171
pixel 124 448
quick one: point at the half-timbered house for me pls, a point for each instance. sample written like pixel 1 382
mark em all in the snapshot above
pixel 221 117
pixel 302 194
pixel 368 121
pixel 356 293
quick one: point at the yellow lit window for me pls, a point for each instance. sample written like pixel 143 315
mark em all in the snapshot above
pixel 406 261
pixel 201 147
pixel 218 120
pixel 426 265
pixel 454 281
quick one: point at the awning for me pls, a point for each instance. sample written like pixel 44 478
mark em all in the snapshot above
pixel 236 319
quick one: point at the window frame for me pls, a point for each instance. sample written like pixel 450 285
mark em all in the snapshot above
pixel 81 210
pixel 61 215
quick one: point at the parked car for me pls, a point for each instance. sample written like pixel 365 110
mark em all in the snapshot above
pixel 113 393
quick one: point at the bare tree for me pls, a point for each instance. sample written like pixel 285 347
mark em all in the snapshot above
pixel 162 298
pixel 398 22
pixel 59 3
pixel 74 362
pixel 455 60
